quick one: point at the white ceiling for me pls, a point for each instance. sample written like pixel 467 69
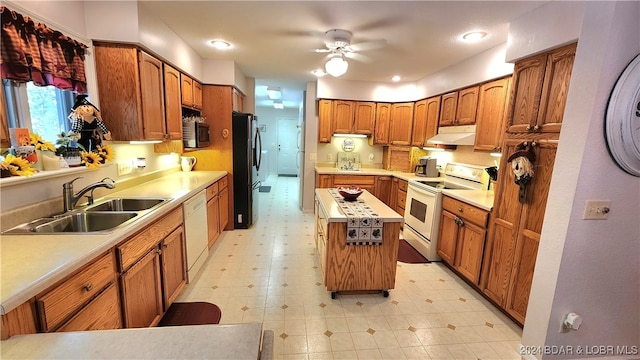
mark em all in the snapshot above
pixel 273 41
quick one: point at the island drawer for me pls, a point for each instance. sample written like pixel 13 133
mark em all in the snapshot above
pixel 464 210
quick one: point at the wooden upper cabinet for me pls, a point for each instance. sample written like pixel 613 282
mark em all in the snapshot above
pixel 131 88
pixel 382 122
pixel 172 103
pixel 324 120
pixel 467 105
pixel 492 105
pixel 197 95
pixel 401 123
pixel 238 100
pixel 191 92
pixel 342 116
pixel 5 140
pixel 425 120
pixel 539 91
pixel 448 109
pixel 364 117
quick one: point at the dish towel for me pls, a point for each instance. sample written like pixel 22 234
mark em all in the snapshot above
pixel 364 225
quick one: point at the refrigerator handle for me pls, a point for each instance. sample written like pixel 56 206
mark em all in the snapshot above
pixel 258 149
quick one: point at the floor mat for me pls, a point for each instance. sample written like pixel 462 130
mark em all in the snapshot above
pixel 191 313
pixel 407 254
pixel 264 189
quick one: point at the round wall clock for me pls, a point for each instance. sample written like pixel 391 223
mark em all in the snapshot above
pixel 622 120
pixel 348 144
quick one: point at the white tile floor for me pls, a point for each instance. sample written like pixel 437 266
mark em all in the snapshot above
pixel 270 274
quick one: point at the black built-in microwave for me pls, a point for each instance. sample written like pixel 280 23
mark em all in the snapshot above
pixel 195 134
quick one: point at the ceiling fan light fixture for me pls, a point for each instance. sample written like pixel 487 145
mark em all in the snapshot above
pixel 220 44
pixel 473 36
pixel 273 92
pixel 336 65
pixel 396 78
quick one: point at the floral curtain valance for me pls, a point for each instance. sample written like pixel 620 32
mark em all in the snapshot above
pixel 31 51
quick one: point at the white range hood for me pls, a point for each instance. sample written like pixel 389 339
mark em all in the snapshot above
pixel 454 135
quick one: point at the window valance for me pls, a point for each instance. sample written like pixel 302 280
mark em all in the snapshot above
pixel 31 51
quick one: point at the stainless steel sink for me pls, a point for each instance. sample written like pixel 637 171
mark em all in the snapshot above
pixel 79 222
pixel 125 204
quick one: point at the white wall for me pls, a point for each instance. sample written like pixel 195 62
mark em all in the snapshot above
pixel 269 117
pixel 590 267
pixel 310 147
pixel 331 88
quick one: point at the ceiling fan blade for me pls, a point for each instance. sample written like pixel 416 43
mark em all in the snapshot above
pixel 367 45
pixel 357 57
pixel 322 50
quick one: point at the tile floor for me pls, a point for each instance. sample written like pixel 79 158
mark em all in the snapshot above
pixel 270 274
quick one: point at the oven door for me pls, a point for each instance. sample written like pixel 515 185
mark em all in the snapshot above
pixel 422 219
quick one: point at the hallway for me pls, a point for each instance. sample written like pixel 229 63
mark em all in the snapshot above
pixel 270 274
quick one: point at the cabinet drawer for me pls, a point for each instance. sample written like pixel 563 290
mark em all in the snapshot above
pixel 67 297
pixel 402 185
pixel 222 183
pixel 133 249
pixel 357 180
pixel 466 211
pixel 103 313
pixel 402 198
pixel 212 190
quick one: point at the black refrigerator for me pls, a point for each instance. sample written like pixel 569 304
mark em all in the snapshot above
pixel 247 152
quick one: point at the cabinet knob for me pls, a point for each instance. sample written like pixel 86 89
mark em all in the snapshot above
pixel 528 128
pixel 536 128
pixel 460 209
pixel 164 246
pixel 88 287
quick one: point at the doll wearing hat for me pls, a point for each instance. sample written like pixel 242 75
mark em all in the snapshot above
pixel 87 121
pixel 522 163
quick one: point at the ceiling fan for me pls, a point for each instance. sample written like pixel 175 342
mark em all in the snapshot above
pixel 338 45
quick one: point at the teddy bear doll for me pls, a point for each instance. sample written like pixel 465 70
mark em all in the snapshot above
pixel 87 122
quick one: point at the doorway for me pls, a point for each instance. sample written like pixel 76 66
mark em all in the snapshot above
pixel 287 139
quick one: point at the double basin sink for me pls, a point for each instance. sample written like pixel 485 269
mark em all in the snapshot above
pixel 102 216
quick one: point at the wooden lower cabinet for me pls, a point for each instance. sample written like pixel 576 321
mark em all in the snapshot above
pixel 402 196
pixel 174 266
pixel 217 209
pixel 102 313
pixel 21 320
pixel 224 206
pixel 142 292
pixel 383 189
pixel 365 182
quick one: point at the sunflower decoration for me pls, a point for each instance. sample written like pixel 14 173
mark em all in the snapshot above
pixel 40 143
pixel 90 159
pixel 105 152
pixel 18 166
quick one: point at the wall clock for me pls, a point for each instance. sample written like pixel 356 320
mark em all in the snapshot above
pixel 622 120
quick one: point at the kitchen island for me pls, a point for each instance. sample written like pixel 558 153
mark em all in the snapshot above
pixel 361 265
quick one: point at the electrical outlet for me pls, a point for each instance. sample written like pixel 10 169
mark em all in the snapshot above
pixel 124 168
pixel 597 210
pixel 330 157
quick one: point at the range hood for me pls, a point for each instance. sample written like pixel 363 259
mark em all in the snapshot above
pixel 454 135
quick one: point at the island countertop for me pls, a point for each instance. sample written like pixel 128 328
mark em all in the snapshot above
pixel 334 213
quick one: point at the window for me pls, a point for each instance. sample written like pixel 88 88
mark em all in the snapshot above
pixel 42 109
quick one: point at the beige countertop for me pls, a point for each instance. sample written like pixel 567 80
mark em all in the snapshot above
pixel 480 198
pixel 30 264
pixel 334 213
pixel 235 341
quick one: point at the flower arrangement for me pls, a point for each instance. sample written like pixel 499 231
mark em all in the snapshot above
pixel 90 159
pixel 17 166
pixel 40 143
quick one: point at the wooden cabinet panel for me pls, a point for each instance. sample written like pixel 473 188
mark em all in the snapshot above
pixel 324 120
pixel 382 123
pixel 342 117
pixel 187 90
pixel 383 189
pixel 21 320
pixel 466 211
pixel 470 251
pixel 65 298
pixel 528 77
pixel 173 103
pixel 467 105
pixel 238 100
pixel 449 104
pixel 102 313
pixel 152 95
pixel 174 266
pixel 448 239
pixel 213 220
pixel 393 197
pixel 433 114
pixel 401 123
pixel 197 96
pixel 419 123
pixel 555 88
pixel 212 191
pixel 324 181
pixel 364 118
pixel 492 104
pixel 224 208
pixel 142 292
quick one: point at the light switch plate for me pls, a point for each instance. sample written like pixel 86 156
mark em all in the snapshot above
pixel 124 168
pixel 597 210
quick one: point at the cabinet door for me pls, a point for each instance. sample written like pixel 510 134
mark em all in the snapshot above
pixel 187 90
pixel 152 96
pixel 343 115
pixel 401 121
pixel 448 109
pixel 172 102
pixel 393 196
pixel 224 208
pixel 528 77
pixel 419 123
pixel 174 266
pixel 142 292
pixel 470 249
pixel 213 220
pixel 433 114
pixel 364 118
pixel 102 313
pixel 197 95
pixel 467 105
pixel 324 181
pixel 492 104
pixel 5 140
pixel 383 118
pixel 448 237
pixel 324 120
pixel 383 189
pixel 554 90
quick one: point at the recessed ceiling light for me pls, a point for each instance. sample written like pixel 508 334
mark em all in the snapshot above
pixel 319 72
pixel 396 78
pixel 474 36
pixel 277 104
pixel 220 44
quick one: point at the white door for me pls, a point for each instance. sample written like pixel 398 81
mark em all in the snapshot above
pixel 287 147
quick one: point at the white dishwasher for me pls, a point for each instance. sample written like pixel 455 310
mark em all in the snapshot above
pixel 195 233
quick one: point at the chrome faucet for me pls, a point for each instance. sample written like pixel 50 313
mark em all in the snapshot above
pixel 70 199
